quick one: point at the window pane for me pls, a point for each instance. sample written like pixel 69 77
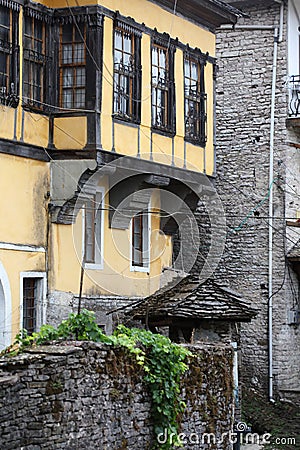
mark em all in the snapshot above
pixel 67 98
pixel 67 54
pixel 79 101
pixel 67 77
pixel 79 53
pixel 67 33
pixel 127 43
pixel 118 39
pixel 79 32
pixel 80 76
pixel 4 16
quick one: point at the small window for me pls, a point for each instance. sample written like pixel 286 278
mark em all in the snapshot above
pixel 32 302
pixel 5 52
pixel 126 75
pixel 195 101
pixel 72 65
pixel 34 62
pixel 93 239
pixel 162 89
pixel 140 236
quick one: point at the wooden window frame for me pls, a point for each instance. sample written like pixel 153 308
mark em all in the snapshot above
pixel 40 281
pixel 126 105
pixel 195 101
pixel 73 65
pixel 8 89
pixel 165 89
pixel 36 61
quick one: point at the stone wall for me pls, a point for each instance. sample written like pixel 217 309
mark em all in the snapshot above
pixel 243 93
pixel 90 396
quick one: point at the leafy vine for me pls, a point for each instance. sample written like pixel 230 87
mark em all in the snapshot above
pixel 163 363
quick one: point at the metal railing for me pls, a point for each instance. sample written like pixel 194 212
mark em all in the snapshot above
pixel 293 84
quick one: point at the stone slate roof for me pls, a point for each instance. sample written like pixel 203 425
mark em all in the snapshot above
pixel 295 251
pixel 191 300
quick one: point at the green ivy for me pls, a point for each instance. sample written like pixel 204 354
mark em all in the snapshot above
pixel 163 363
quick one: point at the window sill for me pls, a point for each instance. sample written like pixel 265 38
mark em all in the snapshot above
pixel 163 132
pixel 195 142
pixel 93 266
pixel 139 269
pixel 126 121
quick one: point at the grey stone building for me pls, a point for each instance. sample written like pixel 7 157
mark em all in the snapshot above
pixel 257 178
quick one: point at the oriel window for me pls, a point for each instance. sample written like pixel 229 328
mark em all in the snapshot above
pixel 195 101
pixel 127 72
pixel 163 103
pixel 34 62
pixel 72 65
pixel 5 51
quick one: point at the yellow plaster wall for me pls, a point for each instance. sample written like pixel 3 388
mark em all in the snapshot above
pixel 115 277
pixel 24 183
pixel 15 262
pixel 126 139
pixel 7 120
pixel 70 132
pixel 154 17
pixel 36 129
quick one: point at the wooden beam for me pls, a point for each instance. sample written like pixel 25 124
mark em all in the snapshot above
pixel 294 144
pixel 291 223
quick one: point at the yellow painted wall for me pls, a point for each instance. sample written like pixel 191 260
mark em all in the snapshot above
pixel 6 122
pixel 153 16
pixel 15 262
pixel 69 132
pixel 116 277
pixel 36 129
pixel 24 184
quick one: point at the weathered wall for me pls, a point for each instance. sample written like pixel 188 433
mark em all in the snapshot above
pixel 86 395
pixel 243 127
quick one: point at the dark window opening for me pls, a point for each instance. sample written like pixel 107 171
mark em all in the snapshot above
pixel 30 293
pixel 6 86
pixel 72 65
pixel 93 229
pixel 140 240
pixel 195 101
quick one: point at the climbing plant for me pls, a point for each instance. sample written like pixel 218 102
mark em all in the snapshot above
pixel 163 363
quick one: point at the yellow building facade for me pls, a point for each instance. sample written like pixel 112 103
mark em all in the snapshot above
pixel 106 133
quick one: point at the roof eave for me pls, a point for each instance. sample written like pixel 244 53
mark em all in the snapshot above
pixel 209 13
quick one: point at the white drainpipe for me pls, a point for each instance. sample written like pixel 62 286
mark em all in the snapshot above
pixel 277 38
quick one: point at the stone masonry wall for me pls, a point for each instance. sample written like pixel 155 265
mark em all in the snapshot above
pixel 90 396
pixel 243 93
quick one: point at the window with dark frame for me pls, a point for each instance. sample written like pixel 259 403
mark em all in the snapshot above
pixel 34 62
pixel 72 65
pixel 30 298
pixel 127 74
pixel 93 229
pixel 140 240
pixel 5 51
pixel 194 101
pixel 162 88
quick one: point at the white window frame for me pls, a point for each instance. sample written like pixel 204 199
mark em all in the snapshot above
pixel 5 321
pixel 41 297
pixel 99 249
pixel 146 240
